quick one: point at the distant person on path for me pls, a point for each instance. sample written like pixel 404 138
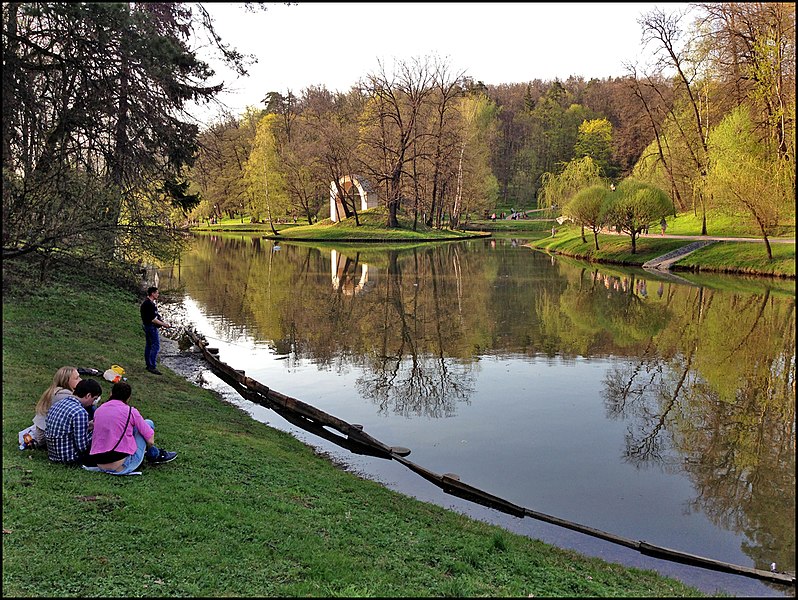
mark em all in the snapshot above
pixel 151 321
pixel 663 225
pixel 68 424
pixel 64 382
pixel 553 231
pixel 122 438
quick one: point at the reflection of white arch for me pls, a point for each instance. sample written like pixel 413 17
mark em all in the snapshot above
pixel 368 197
pixel 337 266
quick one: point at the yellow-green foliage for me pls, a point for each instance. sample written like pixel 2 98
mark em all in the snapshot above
pixel 635 205
pixel 557 190
pixel 746 177
pixel 262 173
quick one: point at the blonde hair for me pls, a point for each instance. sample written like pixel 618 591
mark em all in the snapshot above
pixel 60 380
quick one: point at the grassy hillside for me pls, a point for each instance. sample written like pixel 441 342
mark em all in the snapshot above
pixel 245 510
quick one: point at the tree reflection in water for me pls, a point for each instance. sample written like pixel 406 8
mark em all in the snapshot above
pixel 410 373
pixel 721 408
pixel 702 377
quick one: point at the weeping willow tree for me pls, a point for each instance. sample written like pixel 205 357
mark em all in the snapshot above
pixel 635 205
pixel 747 177
pixel 558 189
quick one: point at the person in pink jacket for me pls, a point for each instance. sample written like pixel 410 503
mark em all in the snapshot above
pixel 122 438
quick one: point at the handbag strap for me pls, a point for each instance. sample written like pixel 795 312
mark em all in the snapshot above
pixel 124 429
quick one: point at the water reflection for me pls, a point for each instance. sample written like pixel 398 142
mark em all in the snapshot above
pixel 701 371
pixel 345 275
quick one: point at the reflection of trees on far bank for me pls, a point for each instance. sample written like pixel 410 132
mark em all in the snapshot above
pixel 714 396
pixel 409 372
pixel 705 380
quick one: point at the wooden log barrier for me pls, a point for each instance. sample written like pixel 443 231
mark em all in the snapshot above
pixel 356 440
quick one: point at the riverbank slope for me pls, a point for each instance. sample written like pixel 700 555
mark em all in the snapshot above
pixel 725 255
pixel 245 510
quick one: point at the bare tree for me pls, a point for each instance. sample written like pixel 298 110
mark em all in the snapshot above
pixel 395 105
pixel 447 88
pixel 665 32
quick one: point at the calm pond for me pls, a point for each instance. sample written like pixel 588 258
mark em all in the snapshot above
pixel 653 407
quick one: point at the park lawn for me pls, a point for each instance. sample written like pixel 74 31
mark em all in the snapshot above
pixel 245 510
pixel 371 228
pixel 742 257
pixel 721 257
pixel 722 225
pixel 612 248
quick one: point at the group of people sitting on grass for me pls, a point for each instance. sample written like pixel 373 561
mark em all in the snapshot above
pixel 111 437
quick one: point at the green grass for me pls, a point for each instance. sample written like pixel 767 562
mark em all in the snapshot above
pixel 720 224
pixel 722 257
pixel 742 257
pixel 612 248
pixel 245 510
pixel 371 228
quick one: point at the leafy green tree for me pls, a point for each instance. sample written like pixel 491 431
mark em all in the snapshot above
pixel 262 172
pixel 747 177
pixel 218 171
pixel 595 140
pixel 634 206
pixel 558 189
pixel 476 187
pixel 93 101
pixel 754 46
pixel 588 209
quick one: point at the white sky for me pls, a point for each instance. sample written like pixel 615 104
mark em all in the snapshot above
pixel 336 44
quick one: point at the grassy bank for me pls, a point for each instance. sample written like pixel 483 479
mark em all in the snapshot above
pixel 721 257
pixel 371 228
pixel 245 510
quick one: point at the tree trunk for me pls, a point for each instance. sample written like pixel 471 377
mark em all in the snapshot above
pixel 9 76
pixel 458 197
pixel 269 207
pixel 393 200
pixel 767 241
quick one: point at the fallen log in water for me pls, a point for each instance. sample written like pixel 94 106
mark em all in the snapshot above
pixel 353 438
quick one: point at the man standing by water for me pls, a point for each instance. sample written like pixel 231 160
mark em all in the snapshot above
pixel 151 321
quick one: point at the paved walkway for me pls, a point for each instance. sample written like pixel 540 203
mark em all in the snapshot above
pixel 664 262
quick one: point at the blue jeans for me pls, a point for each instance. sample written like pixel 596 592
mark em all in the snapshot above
pixel 133 461
pixel 152 345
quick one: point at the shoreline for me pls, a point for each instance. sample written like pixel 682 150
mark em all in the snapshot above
pixel 189 364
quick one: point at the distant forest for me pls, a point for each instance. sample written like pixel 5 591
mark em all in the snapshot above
pixel 100 157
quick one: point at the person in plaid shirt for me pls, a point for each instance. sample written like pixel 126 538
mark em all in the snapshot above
pixel 68 425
